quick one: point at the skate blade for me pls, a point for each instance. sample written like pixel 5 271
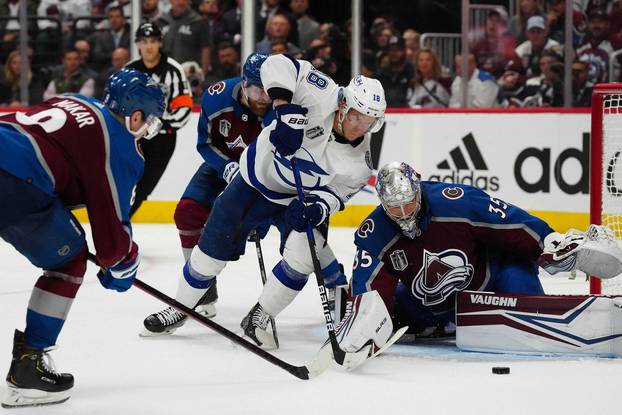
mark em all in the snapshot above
pixel 266 340
pixel 23 398
pixel 147 333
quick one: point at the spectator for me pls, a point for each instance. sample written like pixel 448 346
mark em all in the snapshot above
pixel 483 90
pixel 120 58
pixel 83 48
pixel 581 86
pixel 319 54
pixel 65 10
pixel 228 63
pixel 214 31
pixel 10 88
pixel 278 46
pixel 151 10
pixel 308 28
pixel 196 79
pixel 538 41
pixel 380 39
pixel 595 48
pixel 411 41
pixel 495 49
pixel 546 90
pixel 518 23
pixel 267 10
pixel 105 41
pixel 183 38
pixel 396 75
pixel 556 18
pixel 71 80
pixel 278 28
pixel 232 21
pixel 512 83
pixel 428 91
pixel 10 8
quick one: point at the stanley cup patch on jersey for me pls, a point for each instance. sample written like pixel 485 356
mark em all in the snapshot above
pixel 441 275
pixel 399 260
pixel 223 127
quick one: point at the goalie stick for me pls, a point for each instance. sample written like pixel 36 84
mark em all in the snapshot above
pixel 262 271
pixel 339 355
pixel 319 364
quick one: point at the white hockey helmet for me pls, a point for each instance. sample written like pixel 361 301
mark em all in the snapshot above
pixel 365 95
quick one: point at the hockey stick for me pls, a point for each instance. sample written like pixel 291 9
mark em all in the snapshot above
pixel 338 354
pixel 310 371
pixel 262 271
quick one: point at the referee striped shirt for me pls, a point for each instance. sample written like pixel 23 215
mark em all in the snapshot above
pixel 169 73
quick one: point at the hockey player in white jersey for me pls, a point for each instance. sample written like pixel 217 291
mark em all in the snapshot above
pixel 325 127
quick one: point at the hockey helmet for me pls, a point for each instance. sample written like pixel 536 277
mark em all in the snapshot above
pixel 251 70
pixel 148 30
pixel 399 189
pixel 365 95
pixel 129 90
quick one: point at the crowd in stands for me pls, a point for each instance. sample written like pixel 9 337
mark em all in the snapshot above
pixel 514 60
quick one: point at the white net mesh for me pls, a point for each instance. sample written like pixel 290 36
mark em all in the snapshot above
pixel 611 185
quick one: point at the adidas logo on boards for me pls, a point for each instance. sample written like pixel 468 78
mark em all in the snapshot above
pixel 459 170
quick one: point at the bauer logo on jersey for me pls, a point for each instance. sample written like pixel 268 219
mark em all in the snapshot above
pixel 224 126
pixel 399 260
pixel 441 275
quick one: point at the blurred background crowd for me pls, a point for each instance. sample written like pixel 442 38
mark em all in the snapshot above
pixel 516 47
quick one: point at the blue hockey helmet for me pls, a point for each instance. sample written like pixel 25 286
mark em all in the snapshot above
pixel 251 70
pixel 129 90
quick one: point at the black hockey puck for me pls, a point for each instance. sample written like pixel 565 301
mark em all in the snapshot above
pixel 499 370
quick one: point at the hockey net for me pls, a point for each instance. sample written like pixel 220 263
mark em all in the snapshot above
pixel 606 171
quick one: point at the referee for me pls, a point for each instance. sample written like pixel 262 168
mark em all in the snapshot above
pixel 170 75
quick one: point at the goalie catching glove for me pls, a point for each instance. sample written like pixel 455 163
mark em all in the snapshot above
pixel 594 252
pixel 365 328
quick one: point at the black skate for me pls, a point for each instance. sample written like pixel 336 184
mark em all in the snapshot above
pixel 207 303
pixel 255 324
pixel 32 378
pixel 163 322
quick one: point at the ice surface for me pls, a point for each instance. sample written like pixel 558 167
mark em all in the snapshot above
pixel 198 372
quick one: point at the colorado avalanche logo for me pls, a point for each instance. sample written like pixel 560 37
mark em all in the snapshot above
pixel 366 228
pixel 441 275
pixel 453 193
pixel 307 168
pixel 216 88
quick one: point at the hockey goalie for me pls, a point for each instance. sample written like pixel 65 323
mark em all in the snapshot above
pixel 428 241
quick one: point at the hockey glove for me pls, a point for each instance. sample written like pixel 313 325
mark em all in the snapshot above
pixel 291 121
pixel 121 276
pixel 298 215
pixel 230 171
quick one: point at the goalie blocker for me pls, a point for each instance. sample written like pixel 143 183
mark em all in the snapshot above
pixel 535 324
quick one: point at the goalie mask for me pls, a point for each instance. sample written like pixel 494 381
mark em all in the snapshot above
pixel 399 190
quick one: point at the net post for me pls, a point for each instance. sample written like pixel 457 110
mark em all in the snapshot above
pixel 596 156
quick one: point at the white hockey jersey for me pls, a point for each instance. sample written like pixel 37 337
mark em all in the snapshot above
pixel 330 167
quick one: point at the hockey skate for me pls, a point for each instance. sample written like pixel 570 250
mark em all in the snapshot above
pixel 255 326
pixel 163 322
pixel 168 320
pixel 32 378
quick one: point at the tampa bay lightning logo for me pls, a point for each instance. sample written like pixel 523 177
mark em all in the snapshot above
pixel 305 166
pixel 441 275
